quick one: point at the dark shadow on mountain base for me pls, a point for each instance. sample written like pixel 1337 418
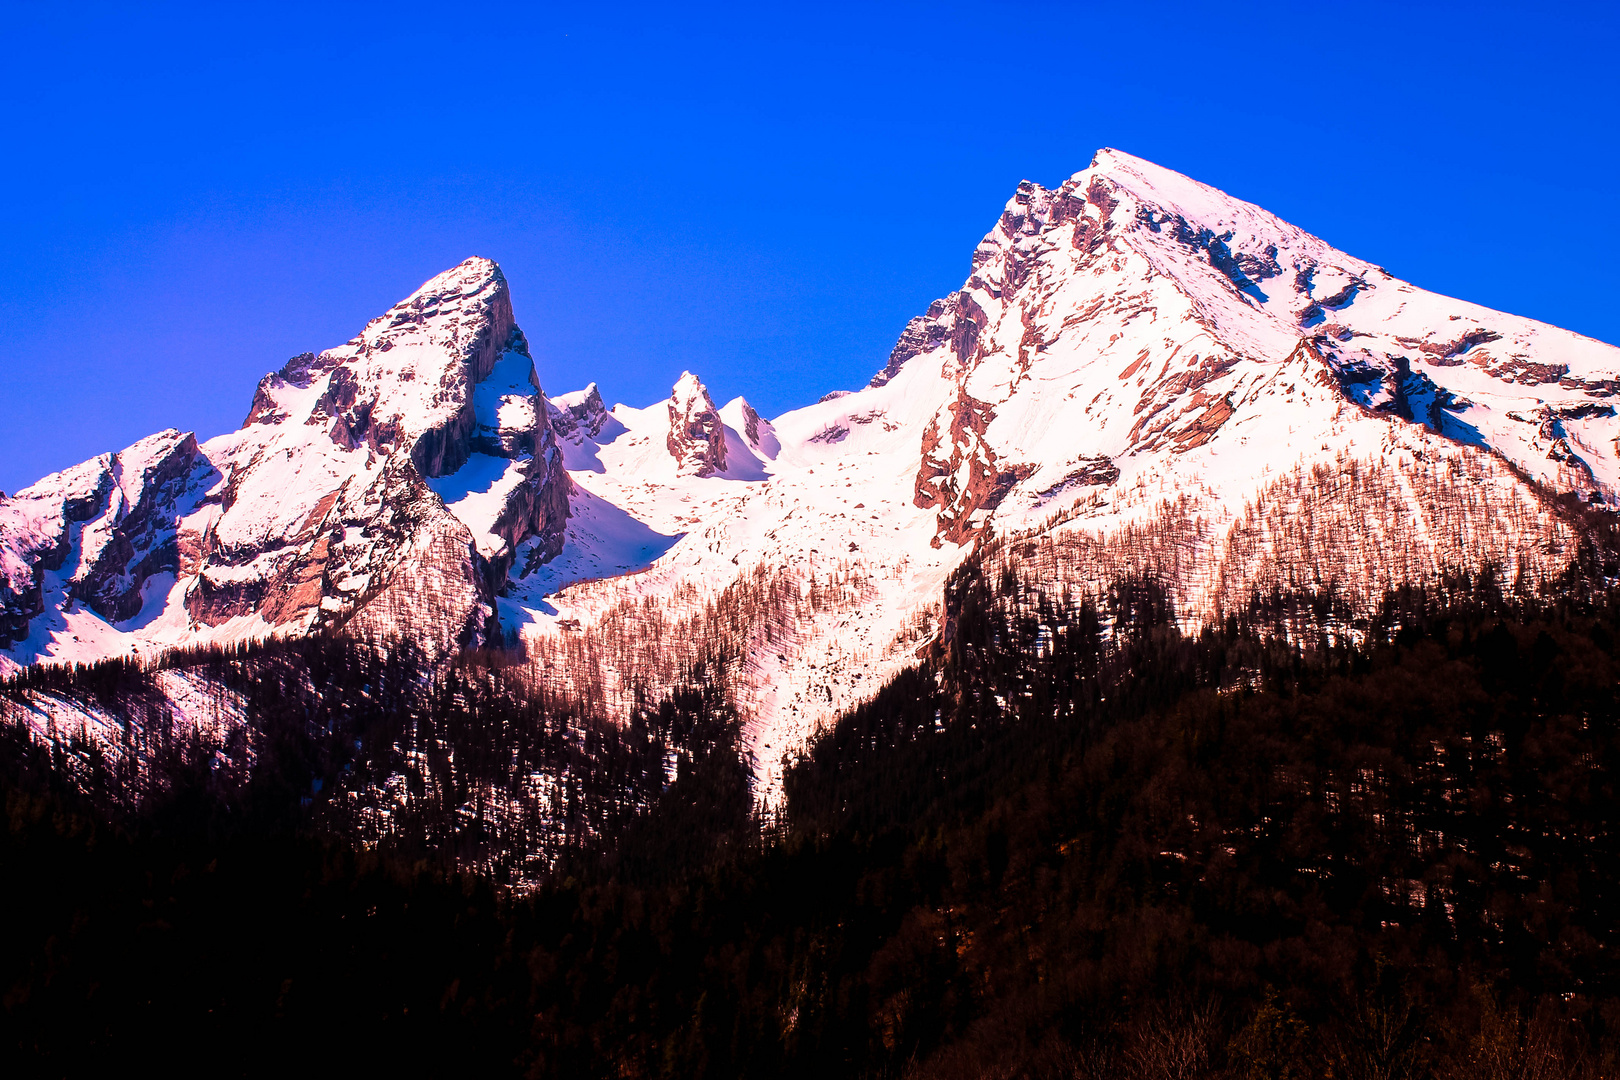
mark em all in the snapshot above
pixel 1077 842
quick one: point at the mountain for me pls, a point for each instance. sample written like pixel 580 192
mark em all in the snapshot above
pixel 1141 374
pixel 1192 654
pixel 381 486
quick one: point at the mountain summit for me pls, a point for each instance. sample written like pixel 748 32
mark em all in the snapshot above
pixel 1140 374
pixel 381 486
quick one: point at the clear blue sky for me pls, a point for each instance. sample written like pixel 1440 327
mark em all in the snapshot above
pixel 191 194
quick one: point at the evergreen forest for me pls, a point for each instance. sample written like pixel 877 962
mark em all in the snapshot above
pixel 1076 840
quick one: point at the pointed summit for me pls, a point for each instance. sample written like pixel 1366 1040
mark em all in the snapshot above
pixel 697 436
pixel 382 486
pixel 754 428
pixel 406 380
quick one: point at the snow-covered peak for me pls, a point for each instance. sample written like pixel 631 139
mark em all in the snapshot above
pixel 1155 185
pixel 757 431
pixel 384 485
pixel 688 390
pixel 469 279
pixel 579 414
pixel 1140 374
pixel 592 394
pixel 697 437
pixel 407 380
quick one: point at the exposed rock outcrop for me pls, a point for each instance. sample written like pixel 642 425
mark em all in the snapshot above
pixel 758 431
pixel 579 415
pixel 36 526
pixel 697 436
pixel 103 528
pixel 956 319
pixel 135 536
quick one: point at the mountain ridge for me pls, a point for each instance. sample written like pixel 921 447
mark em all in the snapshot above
pixel 1140 373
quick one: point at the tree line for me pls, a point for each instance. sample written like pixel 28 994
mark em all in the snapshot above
pixel 1078 840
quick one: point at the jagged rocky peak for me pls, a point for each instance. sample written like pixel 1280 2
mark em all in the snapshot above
pixel 106 525
pixel 381 486
pixel 1178 314
pixel 407 379
pixel 697 435
pixel 580 414
pixel 440 392
pixel 1119 205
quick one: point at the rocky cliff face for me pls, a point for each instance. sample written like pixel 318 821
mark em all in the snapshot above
pixel 132 538
pixel 579 415
pixel 94 534
pixel 383 485
pixel 697 437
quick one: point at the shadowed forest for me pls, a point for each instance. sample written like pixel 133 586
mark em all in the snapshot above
pixel 1076 841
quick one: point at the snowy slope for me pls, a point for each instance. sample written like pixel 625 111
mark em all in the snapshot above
pixel 1140 373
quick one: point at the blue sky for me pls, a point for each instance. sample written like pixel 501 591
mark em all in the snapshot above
pixel 191 194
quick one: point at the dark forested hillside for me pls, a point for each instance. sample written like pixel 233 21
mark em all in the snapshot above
pixel 1076 842
pixel 468 764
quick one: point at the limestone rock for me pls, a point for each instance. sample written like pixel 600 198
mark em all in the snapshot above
pixel 697 435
